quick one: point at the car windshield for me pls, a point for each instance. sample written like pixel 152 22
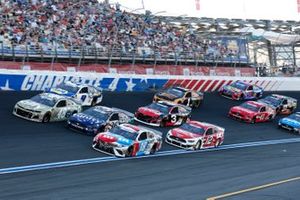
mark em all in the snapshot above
pixel 193 129
pixel 295 116
pixel 128 134
pixel 239 85
pixel 45 100
pixel 175 92
pixel 250 107
pixel 273 100
pixel 97 113
pixel 159 107
pixel 68 87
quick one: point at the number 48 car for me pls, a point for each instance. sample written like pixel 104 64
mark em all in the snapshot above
pixel 46 107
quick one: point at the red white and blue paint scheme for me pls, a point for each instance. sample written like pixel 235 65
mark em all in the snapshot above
pixel 195 135
pixel 86 94
pixel 240 90
pixel 163 114
pixel 128 140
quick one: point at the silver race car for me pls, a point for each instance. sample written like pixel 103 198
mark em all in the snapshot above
pixel 46 107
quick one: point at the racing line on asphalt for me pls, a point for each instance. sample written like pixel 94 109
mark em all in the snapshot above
pixel 12 170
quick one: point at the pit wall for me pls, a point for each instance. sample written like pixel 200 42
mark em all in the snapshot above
pixel 22 80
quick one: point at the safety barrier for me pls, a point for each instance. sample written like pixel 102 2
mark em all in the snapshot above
pixel 20 80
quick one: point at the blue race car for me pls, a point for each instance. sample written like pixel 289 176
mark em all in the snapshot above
pixel 240 90
pixel 86 94
pixel 291 123
pixel 98 119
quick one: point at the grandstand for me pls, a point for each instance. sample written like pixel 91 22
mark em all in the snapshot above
pixel 91 32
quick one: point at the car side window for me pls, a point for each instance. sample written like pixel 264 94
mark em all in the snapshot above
pixel 174 110
pixel 209 131
pixel 143 136
pixel 62 103
pixel 250 87
pixel 284 102
pixel 263 109
pixel 188 95
pixel 84 90
pixel 114 117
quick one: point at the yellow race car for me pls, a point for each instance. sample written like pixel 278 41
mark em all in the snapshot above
pixel 180 95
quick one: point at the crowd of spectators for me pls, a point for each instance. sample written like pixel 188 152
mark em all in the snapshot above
pixel 65 24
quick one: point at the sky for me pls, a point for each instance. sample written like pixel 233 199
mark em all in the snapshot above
pixel 232 9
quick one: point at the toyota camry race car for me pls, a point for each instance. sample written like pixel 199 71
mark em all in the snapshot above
pixel 98 119
pixel 180 95
pixel 291 122
pixel 46 107
pixel 252 112
pixel 163 114
pixel 128 140
pixel 282 104
pixel 86 94
pixel 196 135
pixel 241 91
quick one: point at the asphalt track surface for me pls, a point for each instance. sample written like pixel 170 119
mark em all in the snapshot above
pixel 188 176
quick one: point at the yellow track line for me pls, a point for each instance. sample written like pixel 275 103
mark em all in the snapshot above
pixel 253 189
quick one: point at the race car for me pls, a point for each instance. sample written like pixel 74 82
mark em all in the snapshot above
pixel 180 95
pixel 282 104
pixel 252 112
pixel 163 114
pixel 291 122
pixel 241 91
pixel 46 107
pixel 196 135
pixel 128 140
pixel 86 94
pixel 98 119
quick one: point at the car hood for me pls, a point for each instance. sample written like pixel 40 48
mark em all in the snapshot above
pixel 86 119
pixel 180 133
pixel 32 105
pixel 290 122
pixel 166 96
pixel 242 110
pixel 113 138
pixel 61 92
pixel 232 89
pixel 149 112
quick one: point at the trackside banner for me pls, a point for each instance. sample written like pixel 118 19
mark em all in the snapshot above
pixel 19 80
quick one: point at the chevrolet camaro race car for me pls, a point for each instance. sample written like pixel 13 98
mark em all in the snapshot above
pixel 241 91
pixel 98 119
pixel 282 104
pixel 180 95
pixel 46 107
pixel 163 114
pixel 291 122
pixel 252 112
pixel 128 140
pixel 86 94
pixel 196 135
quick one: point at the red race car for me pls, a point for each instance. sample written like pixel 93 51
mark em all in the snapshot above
pixel 252 112
pixel 196 135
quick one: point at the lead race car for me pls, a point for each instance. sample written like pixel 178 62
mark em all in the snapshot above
pixel 196 135
pixel 180 95
pixel 291 123
pixel 282 104
pixel 98 119
pixel 86 94
pixel 128 140
pixel 163 114
pixel 252 112
pixel 240 90
pixel 46 107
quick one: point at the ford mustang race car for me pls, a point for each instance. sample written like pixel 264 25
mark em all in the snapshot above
pixel 46 107
pixel 128 140
pixel 282 104
pixel 196 135
pixel 163 114
pixel 88 95
pixel 98 119
pixel 241 91
pixel 252 112
pixel 291 122
pixel 180 95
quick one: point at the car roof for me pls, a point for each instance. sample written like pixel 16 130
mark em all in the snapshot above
pixel 103 109
pixel 52 96
pixel 200 124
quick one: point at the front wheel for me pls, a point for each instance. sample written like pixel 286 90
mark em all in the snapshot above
pixel 198 145
pixel 46 118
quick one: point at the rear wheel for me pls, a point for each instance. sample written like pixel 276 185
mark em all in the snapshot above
pixel 241 97
pixel 270 117
pixel 129 151
pixel 218 143
pixel 46 118
pixel 94 102
pixel 153 149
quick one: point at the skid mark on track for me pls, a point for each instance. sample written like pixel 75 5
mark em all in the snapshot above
pixel 54 165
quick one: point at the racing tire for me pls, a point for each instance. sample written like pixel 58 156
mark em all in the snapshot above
pixel 153 150
pixel 46 118
pixel 271 117
pixel 162 123
pixel 94 102
pixel 198 145
pixel 107 128
pixel 253 120
pixel 218 143
pixel 129 151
